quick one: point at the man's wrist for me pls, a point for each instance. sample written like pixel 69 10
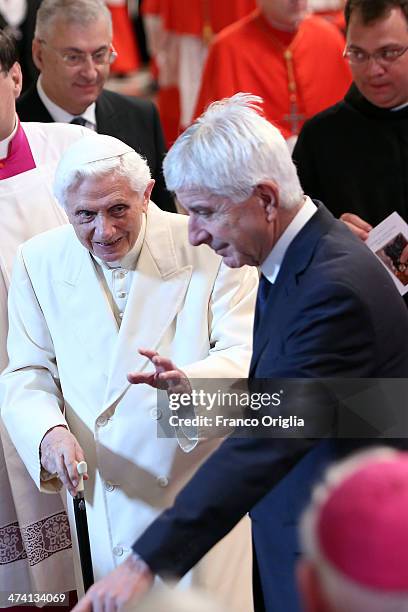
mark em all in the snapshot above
pixel 138 565
pixel 52 429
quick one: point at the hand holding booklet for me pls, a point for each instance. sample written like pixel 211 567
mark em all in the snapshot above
pixel 389 242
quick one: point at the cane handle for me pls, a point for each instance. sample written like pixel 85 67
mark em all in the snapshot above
pixel 82 469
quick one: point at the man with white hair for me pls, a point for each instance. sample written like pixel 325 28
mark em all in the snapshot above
pixel 354 537
pixel 320 314
pixel 83 299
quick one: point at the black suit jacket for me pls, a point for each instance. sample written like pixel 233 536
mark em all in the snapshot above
pixel 333 312
pixel 132 120
pixel 353 157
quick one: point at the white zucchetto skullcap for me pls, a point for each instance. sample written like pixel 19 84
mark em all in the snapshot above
pixel 92 148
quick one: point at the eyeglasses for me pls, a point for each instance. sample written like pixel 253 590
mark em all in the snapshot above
pixel 384 56
pixel 74 59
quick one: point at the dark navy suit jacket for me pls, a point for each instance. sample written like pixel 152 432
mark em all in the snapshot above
pixel 132 120
pixel 333 312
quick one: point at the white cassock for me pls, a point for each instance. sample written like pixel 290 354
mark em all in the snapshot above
pixel 68 365
pixel 35 545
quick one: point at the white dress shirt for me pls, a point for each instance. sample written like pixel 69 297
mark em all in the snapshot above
pixel 272 264
pixel 116 277
pixel 400 107
pixel 4 144
pixel 62 116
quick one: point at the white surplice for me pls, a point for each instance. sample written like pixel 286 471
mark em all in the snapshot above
pixel 35 544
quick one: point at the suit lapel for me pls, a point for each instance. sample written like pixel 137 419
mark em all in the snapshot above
pixel 296 261
pixel 33 106
pixel 156 296
pixel 108 121
pixel 88 308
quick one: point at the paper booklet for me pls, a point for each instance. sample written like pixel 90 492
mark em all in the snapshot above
pixel 387 241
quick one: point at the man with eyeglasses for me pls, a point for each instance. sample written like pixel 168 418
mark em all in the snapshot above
pixel 354 155
pixel 73 50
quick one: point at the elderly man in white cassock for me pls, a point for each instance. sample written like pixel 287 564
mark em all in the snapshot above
pixel 121 290
pixel 35 542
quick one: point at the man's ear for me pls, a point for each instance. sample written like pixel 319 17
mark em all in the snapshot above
pixel 37 52
pixel 17 78
pixel 147 194
pixel 268 194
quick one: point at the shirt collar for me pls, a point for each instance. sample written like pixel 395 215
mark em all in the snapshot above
pixel 129 261
pixel 400 107
pixel 62 116
pixel 272 264
pixel 4 144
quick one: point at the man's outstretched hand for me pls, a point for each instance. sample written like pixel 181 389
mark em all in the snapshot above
pixel 128 582
pixel 166 375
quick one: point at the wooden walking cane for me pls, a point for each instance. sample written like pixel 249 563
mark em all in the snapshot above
pixel 81 523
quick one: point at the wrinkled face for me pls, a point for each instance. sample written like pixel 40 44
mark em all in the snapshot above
pixel 72 88
pixel 285 12
pixel 385 85
pixel 107 214
pixel 236 231
pixel 10 87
